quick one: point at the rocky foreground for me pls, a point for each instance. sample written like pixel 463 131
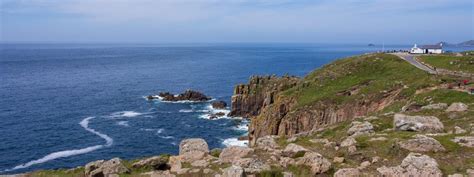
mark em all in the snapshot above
pixel 368 115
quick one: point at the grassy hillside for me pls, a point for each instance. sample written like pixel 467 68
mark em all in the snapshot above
pixel 361 75
pixel 451 62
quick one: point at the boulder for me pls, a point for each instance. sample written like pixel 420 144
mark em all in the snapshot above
pixel 316 161
pixel 155 162
pixel 188 95
pixel 338 159
pixel 266 143
pixel 219 104
pixel 435 106
pixel 422 143
pixel 252 165
pixel 360 128
pixel 347 172
pixel 293 149
pixel 349 141
pixel 414 164
pixel 105 168
pixel 364 165
pixel 200 163
pixel 457 107
pixel 193 149
pixel 233 171
pixel 467 141
pixel 175 163
pixel 158 174
pixel 233 153
pixel 459 130
pixel 429 124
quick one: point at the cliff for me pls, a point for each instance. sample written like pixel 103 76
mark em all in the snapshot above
pixel 341 91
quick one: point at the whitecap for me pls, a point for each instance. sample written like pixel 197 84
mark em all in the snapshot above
pixel 125 114
pixel 235 142
pixel 167 137
pixel 186 110
pixel 123 123
pixel 67 153
pixel 210 111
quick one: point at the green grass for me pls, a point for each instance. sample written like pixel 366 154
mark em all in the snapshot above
pixel 369 75
pixel 444 96
pixel 451 62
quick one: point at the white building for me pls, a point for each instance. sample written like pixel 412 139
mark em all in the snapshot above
pixel 427 49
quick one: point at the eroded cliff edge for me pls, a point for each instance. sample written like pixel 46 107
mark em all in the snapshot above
pixel 341 91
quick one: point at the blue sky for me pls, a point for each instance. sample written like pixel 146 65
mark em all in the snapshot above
pixel 209 21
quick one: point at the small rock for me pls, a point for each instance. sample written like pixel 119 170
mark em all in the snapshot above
pixel 266 143
pixel 352 149
pixel 347 172
pixel 233 153
pixel 293 149
pixel 364 165
pixel 219 104
pixel 360 128
pixel 459 130
pixel 467 141
pixel 207 171
pixel 182 171
pixel 422 143
pixel 457 107
pixel 252 165
pixel 349 141
pixel 338 159
pixel 435 106
pixel 376 159
pixel 414 164
pixel 316 161
pixel 200 163
pixel 456 175
pixel 429 124
pixel 156 162
pixel 158 174
pixel 378 139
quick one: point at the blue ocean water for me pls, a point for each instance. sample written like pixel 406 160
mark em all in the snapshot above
pixel 63 105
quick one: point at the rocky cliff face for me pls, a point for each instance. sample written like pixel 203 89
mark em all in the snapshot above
pixel 261 91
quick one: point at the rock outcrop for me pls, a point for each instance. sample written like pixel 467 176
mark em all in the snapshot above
pixel 261 91
pixel 435 106
pixel 193 149
pixel 414 164
pixel 105 168
pixel 292 150
pixel 467 141
pixel 234 153
pixel 315 161
pixel 188 95
pixel 348 172
pixel 219 104
pixel 155 162
pixel 360 128
pixel 429 124
pixel 422 143
pixel 457 107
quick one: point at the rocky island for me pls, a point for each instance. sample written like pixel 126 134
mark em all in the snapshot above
pixel 367 115
pixel 188 95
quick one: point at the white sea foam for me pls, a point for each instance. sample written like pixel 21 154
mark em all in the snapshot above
pixel 167 137
pixel 186 110
pixel 125 114
pixel 210 111
pixel 158 131
pixel 235 142
pixel 123 123
pixel 67 153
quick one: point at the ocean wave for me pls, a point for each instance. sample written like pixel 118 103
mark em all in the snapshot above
pixel 235 142
pixel 123 123
pixel 125 114
pixel 211 111
pixel 67 153
pixel 158 131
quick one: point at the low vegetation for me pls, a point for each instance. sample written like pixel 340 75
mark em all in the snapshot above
pixel 463 63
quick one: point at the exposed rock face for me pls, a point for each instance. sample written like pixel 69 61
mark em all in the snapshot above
pixel 457 107
pixel 105 168
pixel 274 113
pixel 429 124
pixel 219 104
pixel 293 149
pixel 188 95
pixel 261 91
pixel 233 171
pixel 347 172
pixel 267 143
pixel 233 153
pixel 435 106
pixel 422 143
pixel 156 162
pixel 467 141
pixel 414 164
pixel 360 128
pixel 316 161
pixel 193 149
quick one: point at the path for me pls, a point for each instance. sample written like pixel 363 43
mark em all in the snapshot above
pixel 411 59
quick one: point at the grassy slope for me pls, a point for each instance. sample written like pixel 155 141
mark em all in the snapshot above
pixel 382 72
pixel 451 62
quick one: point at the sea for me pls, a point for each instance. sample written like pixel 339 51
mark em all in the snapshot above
pixel 64 105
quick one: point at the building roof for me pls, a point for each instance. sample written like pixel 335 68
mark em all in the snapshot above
pixel 431 47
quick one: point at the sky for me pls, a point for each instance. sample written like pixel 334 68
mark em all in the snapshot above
pixel 224 21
